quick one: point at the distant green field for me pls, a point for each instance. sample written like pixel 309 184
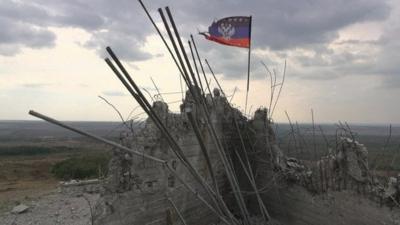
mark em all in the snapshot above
pixel 76 163
pixel 30 150
pixel 82 166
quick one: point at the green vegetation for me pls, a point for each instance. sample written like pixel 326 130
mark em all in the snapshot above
pixel 30 150
pixel 82 167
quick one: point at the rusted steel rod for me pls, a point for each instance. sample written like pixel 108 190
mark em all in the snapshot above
pixel 95 137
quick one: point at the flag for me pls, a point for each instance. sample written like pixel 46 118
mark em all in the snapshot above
pixel 233 31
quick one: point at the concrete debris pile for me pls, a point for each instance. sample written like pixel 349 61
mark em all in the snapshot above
pixel 391 194
pixel 345 169
pixel 79 187
pixel 142 190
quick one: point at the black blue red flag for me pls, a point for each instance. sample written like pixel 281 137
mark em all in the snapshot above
pixel 233 31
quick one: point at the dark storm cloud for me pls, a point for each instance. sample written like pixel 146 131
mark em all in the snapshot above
pixel 379 58
pixel 25 24
pixel 284 24
pixel 278 25
pixel 14 35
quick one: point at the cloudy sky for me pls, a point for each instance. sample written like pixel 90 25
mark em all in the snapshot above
pixel 342 56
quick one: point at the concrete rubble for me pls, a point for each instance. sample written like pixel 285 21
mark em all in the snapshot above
pixel 54 208
pixel 21 208
pixel 136 190
pixel 80 187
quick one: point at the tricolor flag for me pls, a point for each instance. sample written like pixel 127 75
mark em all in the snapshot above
pixel 233 31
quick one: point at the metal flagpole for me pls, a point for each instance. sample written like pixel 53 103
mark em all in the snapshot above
pixel 248 68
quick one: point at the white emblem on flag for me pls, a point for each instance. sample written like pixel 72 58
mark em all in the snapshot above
pixel 227 30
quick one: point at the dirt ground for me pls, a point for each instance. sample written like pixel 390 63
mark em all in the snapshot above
pixel 25 178
pixel 53 208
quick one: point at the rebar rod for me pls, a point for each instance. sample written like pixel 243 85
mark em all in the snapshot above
pixel 228 167
pixel 280 89
pixel 250 174
pixel 229 171
pixel 202 146
pixel 195 83
pixel 234 92
pixel 201 67
pixel 95 137
pixel 325 138
pixel 195 66
pixel 313 134
pixel 210 127
pixel 146 106
pixel 171 19
pixel 215 78
pixel 272 88
pixel 171 37
pixel 250 177
pixel 142 101
pixel 177 211
pixel 160 34
pixel 155 86
pixel 198 196
pixel 292 129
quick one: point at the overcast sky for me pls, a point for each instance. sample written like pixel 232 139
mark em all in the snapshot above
pixel 342 56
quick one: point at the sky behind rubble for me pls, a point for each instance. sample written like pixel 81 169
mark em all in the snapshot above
pixel 343 56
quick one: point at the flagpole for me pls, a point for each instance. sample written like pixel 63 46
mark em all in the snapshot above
pixel 248 68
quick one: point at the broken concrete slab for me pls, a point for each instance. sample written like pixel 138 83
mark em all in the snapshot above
pixel 21 208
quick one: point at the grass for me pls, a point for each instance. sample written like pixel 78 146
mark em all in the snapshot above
pixel 82 167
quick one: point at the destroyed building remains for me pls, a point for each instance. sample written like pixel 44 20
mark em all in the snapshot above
pixel 210 164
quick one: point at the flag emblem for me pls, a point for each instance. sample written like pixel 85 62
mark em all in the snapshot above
pixel 233 31
pixel 227 30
